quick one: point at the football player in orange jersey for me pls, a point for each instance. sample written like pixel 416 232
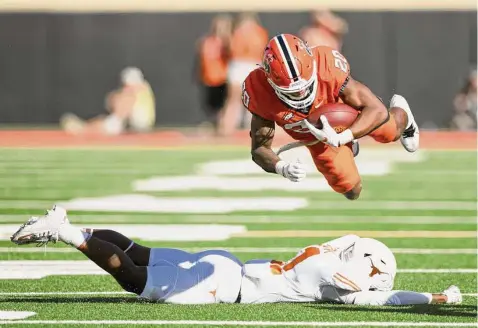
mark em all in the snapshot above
pixel 292 81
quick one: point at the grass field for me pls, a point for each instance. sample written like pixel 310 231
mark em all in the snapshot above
pixel 424 209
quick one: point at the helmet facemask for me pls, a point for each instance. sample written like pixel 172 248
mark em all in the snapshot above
pixel 300 94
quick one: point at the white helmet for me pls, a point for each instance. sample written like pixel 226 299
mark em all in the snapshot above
pixel 383 263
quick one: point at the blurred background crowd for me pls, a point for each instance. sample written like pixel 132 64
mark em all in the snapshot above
pixel 76 59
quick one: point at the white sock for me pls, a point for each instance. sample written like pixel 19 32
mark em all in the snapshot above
pixel 72 235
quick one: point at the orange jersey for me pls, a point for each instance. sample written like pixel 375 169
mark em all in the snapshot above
pixel 213 57
pixel 260 99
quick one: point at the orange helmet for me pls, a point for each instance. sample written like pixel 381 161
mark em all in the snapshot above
pixel 291 70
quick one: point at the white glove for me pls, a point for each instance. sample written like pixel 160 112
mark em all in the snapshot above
pixel 293 171
pixel 453 295
pixel 327 134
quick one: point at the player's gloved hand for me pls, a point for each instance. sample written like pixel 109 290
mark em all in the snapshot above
pixel 293 171
pixel 453 295
pixel 327 134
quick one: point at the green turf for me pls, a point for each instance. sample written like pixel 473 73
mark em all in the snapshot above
pixel 34 179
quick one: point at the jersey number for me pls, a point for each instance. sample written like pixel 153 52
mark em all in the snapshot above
pixel 340 61
pixel 245 96
pixel 278 267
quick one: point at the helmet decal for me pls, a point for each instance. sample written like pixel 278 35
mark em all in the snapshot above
pixel 305 46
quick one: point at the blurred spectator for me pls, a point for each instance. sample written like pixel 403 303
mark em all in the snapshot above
pixel 213 55
pixel 131 106
pixel 326 29
pixel 465 106
pixel 248 41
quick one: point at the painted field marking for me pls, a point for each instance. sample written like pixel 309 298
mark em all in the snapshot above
pixel 395 205
pixel 424 251
pixel 208 218
pixel 370 234
pixel 37 269
pixel 15 315
pixel 438 270
pixel 152 232
pixel 240 323
pixel 66 293
pixel 152 204
pixel 106 293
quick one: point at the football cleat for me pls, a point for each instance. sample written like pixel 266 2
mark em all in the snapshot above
pixel 41 229
pixel 410 138
pixel 453 295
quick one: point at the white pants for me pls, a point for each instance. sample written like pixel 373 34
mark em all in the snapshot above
pixel 238 70
pixel 179 277
pixel 138 122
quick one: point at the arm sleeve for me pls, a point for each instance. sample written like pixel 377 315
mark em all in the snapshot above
pixel 387 298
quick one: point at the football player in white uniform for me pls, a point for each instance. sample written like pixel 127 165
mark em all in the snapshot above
pixel 349 269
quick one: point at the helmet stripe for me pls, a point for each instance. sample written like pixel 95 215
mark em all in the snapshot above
pixel 276 39
pixel 285 51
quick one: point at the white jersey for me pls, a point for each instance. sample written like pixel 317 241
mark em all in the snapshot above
pixel 316 273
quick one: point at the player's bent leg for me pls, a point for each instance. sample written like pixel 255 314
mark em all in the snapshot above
pixel 54 226
pixel 400 125
pixel 339 169
pixel 389 131
pixel 113 260
pixel 410 137
pixel 139 254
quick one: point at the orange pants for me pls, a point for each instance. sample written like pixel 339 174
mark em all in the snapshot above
pixel 338 164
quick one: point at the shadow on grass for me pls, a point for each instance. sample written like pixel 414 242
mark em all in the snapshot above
pixel 448 310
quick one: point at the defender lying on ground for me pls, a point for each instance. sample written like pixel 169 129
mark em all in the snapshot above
pixel 349 269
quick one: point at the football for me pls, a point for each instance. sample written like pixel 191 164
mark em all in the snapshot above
pixel 340 116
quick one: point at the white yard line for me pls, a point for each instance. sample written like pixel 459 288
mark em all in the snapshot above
pixel 144 219
pixel 323 205
pixel 438 270
pixel 395 205
pixel 425 251
pixel 365 233
pixel 238 323
pixel 107 294
pixel 65 293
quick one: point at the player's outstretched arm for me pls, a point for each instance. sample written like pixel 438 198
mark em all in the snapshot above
pixel 262 134
pixel 450 296
pixel 373 111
